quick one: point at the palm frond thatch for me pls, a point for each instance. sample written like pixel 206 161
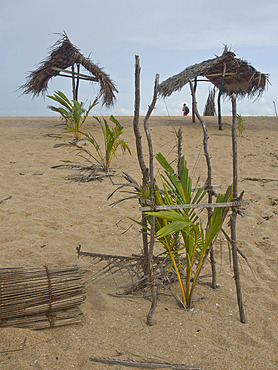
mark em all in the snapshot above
pixel 62 56
pixel 240 77
pixel 210 104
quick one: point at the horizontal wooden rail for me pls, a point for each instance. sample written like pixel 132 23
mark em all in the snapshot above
pixel 80 75
pixel 200 205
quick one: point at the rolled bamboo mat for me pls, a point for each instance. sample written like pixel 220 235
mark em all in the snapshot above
pixel 41 297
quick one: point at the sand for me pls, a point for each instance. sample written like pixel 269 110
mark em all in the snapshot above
pixel 47 217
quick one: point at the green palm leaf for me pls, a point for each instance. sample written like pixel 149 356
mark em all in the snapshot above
pixel 171 228
pixel 74 113
pixel 61 98
pixel 185 222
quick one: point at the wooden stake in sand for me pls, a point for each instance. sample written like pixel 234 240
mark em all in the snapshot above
pixel 219 97
pixel 209 177
pixel 235 212
pixel 40 297
pixel 147 174
pixel 152 199
pixel 143 167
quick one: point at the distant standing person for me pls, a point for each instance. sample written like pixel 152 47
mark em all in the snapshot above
pixel 185 109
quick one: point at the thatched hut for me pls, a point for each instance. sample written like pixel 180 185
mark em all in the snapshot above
pixel 65 55
pixel 228 73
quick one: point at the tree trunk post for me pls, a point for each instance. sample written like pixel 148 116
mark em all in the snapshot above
pixel 193 108
pixel 73 83
pixel 152 199
pixel 144 169
pixel 77 83
pixel 234 213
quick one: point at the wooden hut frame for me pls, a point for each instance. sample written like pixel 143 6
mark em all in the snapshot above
pixel 148 264
pixel 229 74
pixel 148 260
pixel 234 78
pixel 65 55
pixel 232 89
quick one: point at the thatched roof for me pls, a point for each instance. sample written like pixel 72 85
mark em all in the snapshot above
pixel 240 77
pixel 63 55
pixel 210 104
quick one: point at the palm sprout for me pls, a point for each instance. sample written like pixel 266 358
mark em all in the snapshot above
pixel 112 141
pixel 170 224
pixel 73 112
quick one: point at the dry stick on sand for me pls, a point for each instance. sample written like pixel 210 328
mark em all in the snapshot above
pixel 208 182
pixel 257 179
pixel 144 365
pixel 238 251
pixel 23 345
pixel 3 200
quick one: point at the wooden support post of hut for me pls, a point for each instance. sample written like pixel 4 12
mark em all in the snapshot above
pixel 75 85
pixel 219 97
pixel 193 105
pixel 62 56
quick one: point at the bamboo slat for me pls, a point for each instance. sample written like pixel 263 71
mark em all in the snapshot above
pixel 41 297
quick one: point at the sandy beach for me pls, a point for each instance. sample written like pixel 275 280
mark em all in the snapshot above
pixel 44 217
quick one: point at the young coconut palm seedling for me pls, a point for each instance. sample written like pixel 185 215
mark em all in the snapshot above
pixel 72 112
pixel 240 124
pixel 181 232
pixel 184 222
pixel 111 138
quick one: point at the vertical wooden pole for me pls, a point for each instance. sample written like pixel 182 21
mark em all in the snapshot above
pixel 193 108
pixel 275 108
pixel 144 169
pixel 219 98
pixel 152 199
pixel 77 82
pixel 73 83
pixel 179 137
pixel 234 213
pixel 209 177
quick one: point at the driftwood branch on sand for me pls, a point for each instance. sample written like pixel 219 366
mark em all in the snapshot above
pixel 144 365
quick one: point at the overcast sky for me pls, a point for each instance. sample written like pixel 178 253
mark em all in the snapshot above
pixel 168 36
